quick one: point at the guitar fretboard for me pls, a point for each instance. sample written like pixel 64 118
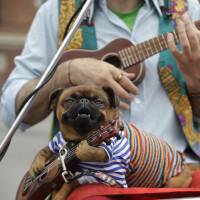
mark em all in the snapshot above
pixel 136 54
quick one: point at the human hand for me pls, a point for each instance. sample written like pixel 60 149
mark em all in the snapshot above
pixel 188 59
pixel 100 73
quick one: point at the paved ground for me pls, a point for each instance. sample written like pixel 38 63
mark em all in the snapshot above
pixel 23 148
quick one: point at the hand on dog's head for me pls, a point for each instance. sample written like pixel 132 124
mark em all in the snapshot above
pixel 82 109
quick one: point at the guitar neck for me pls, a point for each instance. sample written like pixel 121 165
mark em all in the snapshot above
pixel 136 54
pixel 94 138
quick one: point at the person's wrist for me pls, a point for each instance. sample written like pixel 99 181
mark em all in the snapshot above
pixel 193 87
pixel 194 95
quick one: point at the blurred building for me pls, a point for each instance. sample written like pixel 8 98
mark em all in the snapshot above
pixel 15 20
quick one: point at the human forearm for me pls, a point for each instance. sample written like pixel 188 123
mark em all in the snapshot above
pixel 194 97
pixel 77 72
pixel 40 107
pixel 195 102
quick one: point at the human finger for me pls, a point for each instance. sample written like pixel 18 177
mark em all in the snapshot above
pixel 183 37
pixel 192 32
pixel 172 46
pixel 128 85
pixel 119 90
pixel 123 105
pixel 125 80
pixel 131 76
pixel 193 37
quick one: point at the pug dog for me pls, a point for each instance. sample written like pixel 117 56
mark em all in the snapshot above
pixel 134 159
pixel 80 110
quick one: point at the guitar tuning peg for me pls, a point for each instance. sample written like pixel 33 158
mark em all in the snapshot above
pixel 108 142
pixel 112 122
pixel 118 137
pixel 121 128
pixel 110 129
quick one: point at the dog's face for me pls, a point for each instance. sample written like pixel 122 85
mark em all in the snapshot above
pixel 82 109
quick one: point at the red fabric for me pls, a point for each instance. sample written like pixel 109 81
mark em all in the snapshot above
pixel 102 192
pixel 196 180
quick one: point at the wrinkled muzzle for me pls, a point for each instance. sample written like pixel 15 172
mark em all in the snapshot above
pixel 83 116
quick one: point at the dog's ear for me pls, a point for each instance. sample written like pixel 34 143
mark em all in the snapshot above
pixel 53 98
pixel 113 99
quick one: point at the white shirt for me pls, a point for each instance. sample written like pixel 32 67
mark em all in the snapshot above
pixel 151 111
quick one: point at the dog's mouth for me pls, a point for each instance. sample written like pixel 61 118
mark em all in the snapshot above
pixel 83 120
pixel 83 113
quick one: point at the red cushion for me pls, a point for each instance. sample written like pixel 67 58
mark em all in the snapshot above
pixel 102 192
pixel 196 180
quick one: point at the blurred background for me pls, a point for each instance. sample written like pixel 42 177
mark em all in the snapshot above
pixel 15 19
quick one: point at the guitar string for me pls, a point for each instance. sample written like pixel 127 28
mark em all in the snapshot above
pixel 89 138
pixel 156 42
pixel 54 163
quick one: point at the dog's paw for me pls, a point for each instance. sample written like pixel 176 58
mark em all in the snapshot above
pixel 88 153
pixel 37 166
pixel 183 180
pixel 84 151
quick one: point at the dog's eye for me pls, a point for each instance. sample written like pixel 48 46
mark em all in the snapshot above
pixel 99 103
pixel 68 102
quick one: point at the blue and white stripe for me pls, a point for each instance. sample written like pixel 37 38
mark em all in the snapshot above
pixel 118 152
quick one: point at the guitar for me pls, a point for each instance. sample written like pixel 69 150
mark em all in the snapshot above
pixel 123 54
pixel 50 178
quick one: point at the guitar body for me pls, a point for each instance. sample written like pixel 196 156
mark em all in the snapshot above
pixel 110 54
pixel 123 54
pixel 50 178
pixel 40 188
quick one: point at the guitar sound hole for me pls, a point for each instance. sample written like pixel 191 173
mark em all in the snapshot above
pixel 114 60
pixel 42 176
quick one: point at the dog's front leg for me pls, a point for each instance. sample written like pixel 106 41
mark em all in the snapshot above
pixel 40 160
pixel 65 191
pixel 88 153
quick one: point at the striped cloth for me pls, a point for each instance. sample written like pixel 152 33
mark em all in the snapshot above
pixel 118 152
pixel 153 161
pixel 136 160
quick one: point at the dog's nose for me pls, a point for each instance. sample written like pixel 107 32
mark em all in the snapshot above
pixel 84 101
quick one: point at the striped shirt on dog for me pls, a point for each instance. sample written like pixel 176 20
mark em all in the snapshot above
pixel 153 161
pixel 137 159
pixel 118 152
